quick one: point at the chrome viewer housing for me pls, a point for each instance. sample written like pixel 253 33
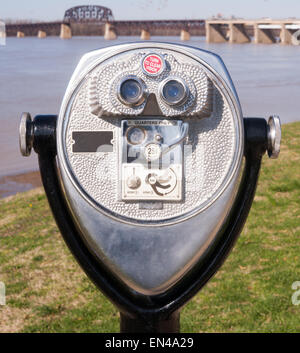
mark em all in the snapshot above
pixel 151 166
pixel 150 170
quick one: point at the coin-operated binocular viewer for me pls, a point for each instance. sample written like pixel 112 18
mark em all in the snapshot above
pixel 143 169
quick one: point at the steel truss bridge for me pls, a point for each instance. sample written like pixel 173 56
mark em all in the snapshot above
pixel 91 20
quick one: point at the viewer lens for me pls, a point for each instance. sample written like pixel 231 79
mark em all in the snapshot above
pixel 131 91
pixel 174 92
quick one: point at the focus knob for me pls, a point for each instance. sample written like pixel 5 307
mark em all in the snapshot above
pixel 134 182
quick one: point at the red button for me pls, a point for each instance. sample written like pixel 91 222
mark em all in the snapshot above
pixel 153 64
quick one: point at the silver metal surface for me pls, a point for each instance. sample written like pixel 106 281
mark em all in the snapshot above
pixel 25 134
pixel 103 82
pixel 151 248
pixel 149 259
pixel 102 189
pixel 274 136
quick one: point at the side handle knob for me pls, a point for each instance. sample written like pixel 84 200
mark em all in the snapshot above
pixel 26 134
pixel 274 136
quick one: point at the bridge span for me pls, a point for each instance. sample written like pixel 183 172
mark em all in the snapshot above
pixel 120 28
pixel 216 31
pixel 99 21
pixel 92 20
pixel 263 31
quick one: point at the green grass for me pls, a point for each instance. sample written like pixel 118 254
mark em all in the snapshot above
pixel 48 292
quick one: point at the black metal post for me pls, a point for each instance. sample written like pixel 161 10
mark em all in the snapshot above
pixel 154 325
pixel 139 313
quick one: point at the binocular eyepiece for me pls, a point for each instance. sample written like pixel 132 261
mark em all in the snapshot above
pixel 149 189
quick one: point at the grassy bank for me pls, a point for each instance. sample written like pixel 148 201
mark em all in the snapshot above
pixel 48 292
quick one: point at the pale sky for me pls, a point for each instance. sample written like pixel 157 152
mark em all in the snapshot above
pixel 48 10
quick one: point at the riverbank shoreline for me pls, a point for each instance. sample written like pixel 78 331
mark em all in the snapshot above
pixel 13 184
